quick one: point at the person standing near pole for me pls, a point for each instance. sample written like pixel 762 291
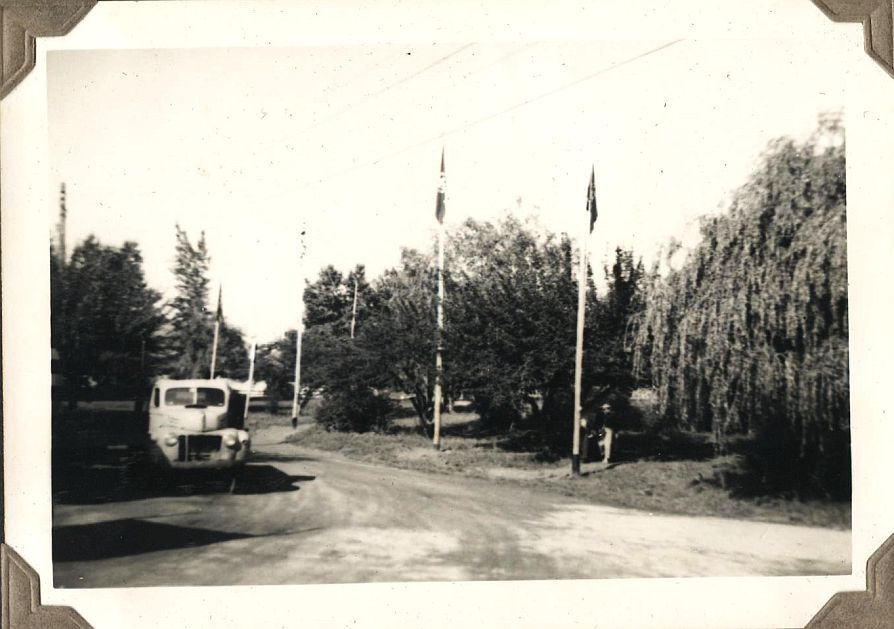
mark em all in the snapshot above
pixel 609 431
pixel 581 311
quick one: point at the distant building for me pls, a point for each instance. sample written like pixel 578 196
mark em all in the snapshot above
pixel 258 389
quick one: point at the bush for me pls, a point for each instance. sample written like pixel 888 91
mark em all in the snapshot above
pixel 822 471
pixel 496 410
pixel 357 409
pixel 644 412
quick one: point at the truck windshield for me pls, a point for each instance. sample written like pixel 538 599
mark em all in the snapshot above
pixel 209 397
pixel 201 396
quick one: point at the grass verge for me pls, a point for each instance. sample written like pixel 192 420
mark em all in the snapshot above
pixel 665 477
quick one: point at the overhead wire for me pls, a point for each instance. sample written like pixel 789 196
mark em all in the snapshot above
pixel 367 97
pixel 485 118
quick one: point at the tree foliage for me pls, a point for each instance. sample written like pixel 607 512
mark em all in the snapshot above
pixel 329 299
pixel 232 353
pixel 111 332
pixel 510 327
pixel 333 364
pixel 512 304
pixel 190 338
pixel 105 321
pixel 400 331
pixel 750 334
pixel 608 340
pixel 275 365
pixel 352 399
pixel 509 338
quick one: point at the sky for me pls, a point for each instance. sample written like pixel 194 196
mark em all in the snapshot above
pixel 255 145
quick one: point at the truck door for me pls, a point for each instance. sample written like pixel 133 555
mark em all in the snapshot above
pixel 236 410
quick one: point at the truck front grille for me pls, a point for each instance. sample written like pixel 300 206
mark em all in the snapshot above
pixel 197 447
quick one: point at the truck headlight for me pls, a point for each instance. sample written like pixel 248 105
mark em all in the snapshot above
pixel 230 441
pixel 170 439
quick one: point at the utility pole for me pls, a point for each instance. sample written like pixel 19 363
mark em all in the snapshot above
pixel 251 377
pixel 63 214
pixel 217 319
pixel 354 309
pixel 295 396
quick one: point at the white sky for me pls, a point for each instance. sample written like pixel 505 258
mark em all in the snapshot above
pixel 252 144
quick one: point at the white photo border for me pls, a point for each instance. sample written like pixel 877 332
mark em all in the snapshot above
pixel 709 602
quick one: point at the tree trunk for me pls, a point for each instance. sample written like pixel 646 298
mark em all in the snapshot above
pixel 420 406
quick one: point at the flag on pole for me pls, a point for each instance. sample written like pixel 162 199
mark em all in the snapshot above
pixel 591 199
pixel 442 190
pixel 581 313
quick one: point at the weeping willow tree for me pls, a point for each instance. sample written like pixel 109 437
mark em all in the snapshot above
pixel 750 334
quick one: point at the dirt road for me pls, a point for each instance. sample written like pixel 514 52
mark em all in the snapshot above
pixel 304 517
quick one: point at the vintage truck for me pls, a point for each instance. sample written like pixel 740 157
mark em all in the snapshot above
pixel 198 425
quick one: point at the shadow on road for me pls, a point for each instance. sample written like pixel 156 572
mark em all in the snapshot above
pixel 121 538
pixel 105 482
pixel 271 457
pixel 265 479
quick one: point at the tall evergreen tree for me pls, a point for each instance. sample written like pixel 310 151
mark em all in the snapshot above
pixel 329 299
pixel 191 335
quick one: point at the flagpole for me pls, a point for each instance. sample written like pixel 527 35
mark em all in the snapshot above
pixel 439 360
pixel 216 334
pixel 295 400
pixel 251 377
pixel 583 267
pixel 439 333
pixel 295 395
pixel 579 354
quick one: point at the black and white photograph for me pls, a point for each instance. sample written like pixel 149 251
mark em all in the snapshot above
pixel 546 320
pixel 448 310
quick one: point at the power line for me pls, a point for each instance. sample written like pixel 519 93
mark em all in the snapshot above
pixel 564 87
pixel 484 118
pixel 370 96
pixel 387 88
pixel 423 70
pixel 509 54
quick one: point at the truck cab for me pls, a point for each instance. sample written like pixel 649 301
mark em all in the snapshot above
pixel 197 424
